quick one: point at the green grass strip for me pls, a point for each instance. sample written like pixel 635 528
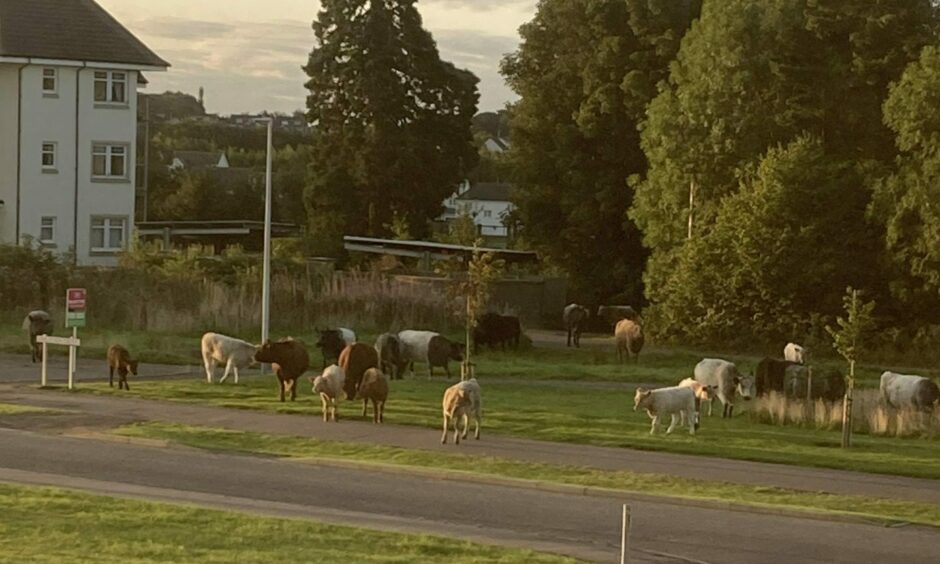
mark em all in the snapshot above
pixel 16 409
pixel 51 525
pixel 648 484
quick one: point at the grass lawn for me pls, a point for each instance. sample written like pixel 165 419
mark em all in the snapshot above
pixel 578 414
pixel 14 409
pixel 648 484
pixel 58 526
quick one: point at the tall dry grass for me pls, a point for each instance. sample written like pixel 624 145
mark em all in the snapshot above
pixel 869 415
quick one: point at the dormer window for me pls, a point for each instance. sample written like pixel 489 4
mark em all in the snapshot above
pixel 111 87
pixel 50 81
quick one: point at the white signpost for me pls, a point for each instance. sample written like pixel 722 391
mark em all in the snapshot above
pixel 75 303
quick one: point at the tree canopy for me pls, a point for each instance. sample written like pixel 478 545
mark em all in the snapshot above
pixel 392 119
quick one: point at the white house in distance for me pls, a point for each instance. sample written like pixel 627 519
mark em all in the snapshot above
pixel 69 74
pixel 489 203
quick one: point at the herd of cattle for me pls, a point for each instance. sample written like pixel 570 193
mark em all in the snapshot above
pixel 361 371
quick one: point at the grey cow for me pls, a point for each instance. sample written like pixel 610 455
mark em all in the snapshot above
pixel 728 382
pixel 37 322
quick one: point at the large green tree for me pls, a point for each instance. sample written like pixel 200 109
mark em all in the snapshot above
pixel 906 202
pixel 392 119
pixel 754 74
pixel 585 72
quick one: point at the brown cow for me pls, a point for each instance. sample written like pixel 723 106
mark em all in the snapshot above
pixel 374 386
pixel 289 359
pixel 629 338
pixel 355 360
pixel 119 359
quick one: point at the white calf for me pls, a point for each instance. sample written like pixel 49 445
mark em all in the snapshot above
pixel 221 349
pixel 330 387
pixel 674 401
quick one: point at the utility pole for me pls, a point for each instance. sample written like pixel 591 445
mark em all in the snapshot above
pixel 266 269
pixel 146 180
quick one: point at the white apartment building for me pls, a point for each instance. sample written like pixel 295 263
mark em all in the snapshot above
pixel 488 203
pixel 69 74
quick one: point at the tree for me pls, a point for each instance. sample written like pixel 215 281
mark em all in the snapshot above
pixel 906 201
pixel 392 119
pixel 585 72
pixel 753 75
pixel 848 339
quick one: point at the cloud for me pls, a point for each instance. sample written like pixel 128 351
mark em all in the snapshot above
pixel 183 30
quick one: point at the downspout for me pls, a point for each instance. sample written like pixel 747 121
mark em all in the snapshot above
pixel 78 88
pixel 19 148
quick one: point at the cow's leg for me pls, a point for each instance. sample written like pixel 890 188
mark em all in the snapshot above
pixel 446 425
pixel 693 422
pixel 324 407
pixel 111 377
pixel 228 368
pixel 653 424
pixel 456 421
pixel 293 388
pixel 127 386
pixel 381 408
pixel 365 406
pixel 235 370
pixel 672 423
pixel 283 389
pixel 466 425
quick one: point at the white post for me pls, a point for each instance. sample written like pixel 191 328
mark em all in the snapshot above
pixel 45 355
pixel 625 534
pixel 266 270
pixel 72 358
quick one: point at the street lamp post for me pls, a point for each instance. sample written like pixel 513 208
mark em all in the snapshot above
pixel 266 269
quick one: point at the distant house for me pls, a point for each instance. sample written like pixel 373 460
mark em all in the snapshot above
pixel 496 145
pixel 488 203
pixel 196 160
pixel 69 74
pixel 296 122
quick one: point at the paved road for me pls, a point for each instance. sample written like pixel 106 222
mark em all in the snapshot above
pixel 107 411
pixel 585 527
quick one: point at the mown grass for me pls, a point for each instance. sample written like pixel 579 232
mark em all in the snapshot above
pixel 647 484
pixel 57 526
pixel 15 409
pixel 578 413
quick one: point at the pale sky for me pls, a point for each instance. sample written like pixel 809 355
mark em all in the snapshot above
pixel 248 54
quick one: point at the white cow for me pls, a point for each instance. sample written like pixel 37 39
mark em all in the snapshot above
pixel 462 401
pixel 221 349
pixel 727 381
pixel 702 393
pixel 330 387
pixel 909 391
pixel 673 401
pixel 796 353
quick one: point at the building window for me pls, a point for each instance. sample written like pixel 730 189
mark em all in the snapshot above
pixel 108 234
pixel 50 81
pixel 47 230
pixel 48 156
pixel 487 213
pixel 109 161
pixel 111 87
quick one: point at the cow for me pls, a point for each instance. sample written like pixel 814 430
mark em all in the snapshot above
pixel 429 347
pixel 331 342
pixel 37 322
pixel 222 349
pixel 769 375
pixel 119 359
pixel 289 359
pixel 355 360
pixel 909 391
pixel 575 317
pixel 388 347
pixel 728 382
pixel 674 401
pixel 495 330
pixel 629 340
pixel 374 388
pixel 330 387
pixel 462 401
pixel 828 385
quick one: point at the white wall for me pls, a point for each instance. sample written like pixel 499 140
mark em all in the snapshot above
pixel 9 83
pixel 53 119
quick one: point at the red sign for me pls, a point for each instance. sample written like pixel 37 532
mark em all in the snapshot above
pixel 75 307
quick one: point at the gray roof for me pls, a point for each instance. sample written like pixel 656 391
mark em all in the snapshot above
pixel 75 30
pixel 491 191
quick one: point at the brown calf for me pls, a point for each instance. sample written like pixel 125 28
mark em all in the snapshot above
pixel 119 359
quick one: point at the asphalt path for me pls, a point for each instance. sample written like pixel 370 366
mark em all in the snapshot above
pixel 93 411
pixel 585 527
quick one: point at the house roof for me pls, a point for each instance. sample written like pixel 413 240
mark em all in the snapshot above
pixel 75 30
pixel 197 159
pixel 490 191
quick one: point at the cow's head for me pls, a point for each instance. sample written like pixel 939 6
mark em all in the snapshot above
pixel 744 386
pixel 456 352
pixel 642 398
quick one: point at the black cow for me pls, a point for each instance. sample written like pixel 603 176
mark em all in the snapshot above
pixel 494 330
pixel 770 374
pixel 331 344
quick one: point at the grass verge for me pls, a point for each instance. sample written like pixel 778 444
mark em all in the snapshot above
pixel 15 409
pixel 647 484
pixel 56 526
pixel 579 414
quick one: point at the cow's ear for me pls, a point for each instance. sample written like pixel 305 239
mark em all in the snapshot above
pixel 737 380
